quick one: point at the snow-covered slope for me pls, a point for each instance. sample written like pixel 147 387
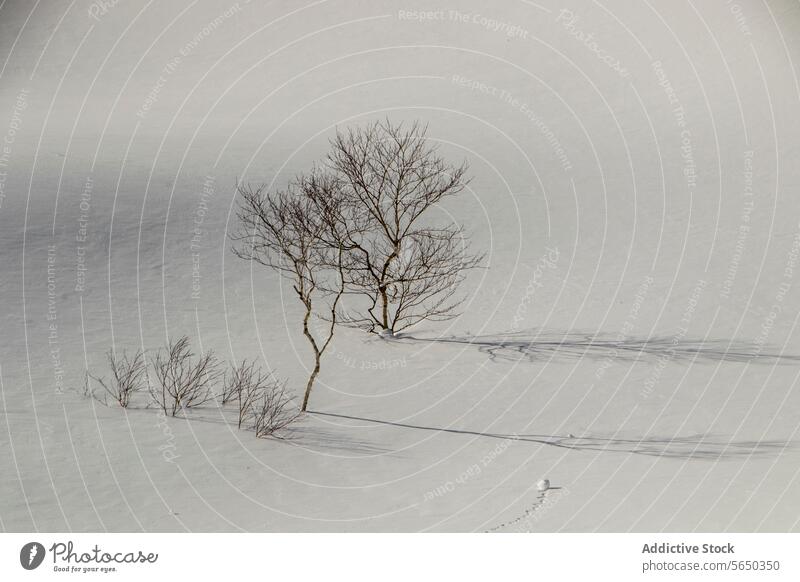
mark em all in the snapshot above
pixel 638 223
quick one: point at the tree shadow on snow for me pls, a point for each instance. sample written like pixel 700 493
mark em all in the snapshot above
pixel 551 344
pixel 316 438
pixel 705 447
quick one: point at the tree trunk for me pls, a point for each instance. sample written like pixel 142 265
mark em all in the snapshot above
pixel 384 307
pixel 311 379
pixel 382 288
pixel 314 346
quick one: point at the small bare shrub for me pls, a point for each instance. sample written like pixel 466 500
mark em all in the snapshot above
pixel 233 381
pixel 184 381
pixel 273 411
pixel 128 376
pixel 245 385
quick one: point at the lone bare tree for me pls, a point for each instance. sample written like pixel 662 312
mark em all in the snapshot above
pixel 408 270
pixel 293 232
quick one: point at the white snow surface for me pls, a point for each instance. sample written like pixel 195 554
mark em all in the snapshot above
pixel 637 226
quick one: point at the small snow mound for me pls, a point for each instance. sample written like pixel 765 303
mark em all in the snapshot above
pixel 543 484
pixel 386 333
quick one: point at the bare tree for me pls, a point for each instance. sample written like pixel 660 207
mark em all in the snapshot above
pixel 291 232
pixel 273 410
pixel 390 177
pixel 184 381
pixel 128 376
pixel 360 227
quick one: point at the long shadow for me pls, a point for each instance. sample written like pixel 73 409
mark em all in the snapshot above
pixel 688 447
pixel 540 344
pixel 298 434
pixel 315 438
